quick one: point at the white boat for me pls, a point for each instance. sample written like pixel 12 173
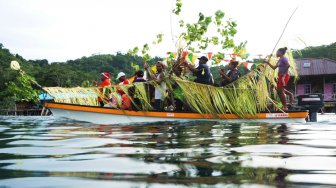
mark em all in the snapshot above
pixel 100 115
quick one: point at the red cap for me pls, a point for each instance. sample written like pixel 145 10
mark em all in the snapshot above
pixel 106 74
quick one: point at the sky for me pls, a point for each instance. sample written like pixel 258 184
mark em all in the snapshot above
pixel 60 30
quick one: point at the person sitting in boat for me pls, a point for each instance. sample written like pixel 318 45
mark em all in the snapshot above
pixel 126 103
pixel 105 78
pixel 283 76
pixel 231 75
pixel 160 90
pixel 139 77
pixel 202 72
pixel 122 81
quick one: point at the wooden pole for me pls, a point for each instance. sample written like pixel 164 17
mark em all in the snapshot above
pixel 15 109
pixel 42 112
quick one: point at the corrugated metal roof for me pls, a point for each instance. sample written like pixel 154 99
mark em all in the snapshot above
pixel 310 66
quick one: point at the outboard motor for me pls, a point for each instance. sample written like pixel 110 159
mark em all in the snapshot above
pixel 313 103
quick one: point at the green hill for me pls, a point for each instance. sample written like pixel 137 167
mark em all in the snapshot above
pixel 324 51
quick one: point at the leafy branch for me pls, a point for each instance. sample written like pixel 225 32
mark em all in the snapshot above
pixel 145 49
pixel 178 7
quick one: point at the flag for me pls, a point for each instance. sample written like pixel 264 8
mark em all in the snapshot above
pixel 209 55
pixel 153 68
pixel 190 57
pixel 245 65
pixel 184 54
pixel 194 59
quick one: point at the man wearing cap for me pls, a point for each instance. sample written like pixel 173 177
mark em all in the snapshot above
pixel 105 78
pixel 122 81
pixel 202 72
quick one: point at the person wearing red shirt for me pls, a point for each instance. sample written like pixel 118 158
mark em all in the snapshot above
pixel 122 81
pixel 105 78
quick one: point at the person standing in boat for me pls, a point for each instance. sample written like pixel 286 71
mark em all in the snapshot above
pixel 202 72
pixel 105 78
pixel 160 90
pixel 231 75
pixel 139 77
pixel 283 76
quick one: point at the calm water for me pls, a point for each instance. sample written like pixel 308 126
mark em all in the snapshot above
pixel 49 152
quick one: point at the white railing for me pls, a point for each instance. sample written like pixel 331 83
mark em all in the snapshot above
pixel 327 97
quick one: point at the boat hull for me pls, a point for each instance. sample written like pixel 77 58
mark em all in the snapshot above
pixel 100 115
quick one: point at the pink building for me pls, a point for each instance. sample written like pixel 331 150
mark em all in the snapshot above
pixel 317 76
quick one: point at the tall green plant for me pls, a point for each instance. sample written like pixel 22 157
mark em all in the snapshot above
pixel 21 89
pixel 198 36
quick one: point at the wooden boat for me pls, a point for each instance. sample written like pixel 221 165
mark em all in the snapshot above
pixel 101 115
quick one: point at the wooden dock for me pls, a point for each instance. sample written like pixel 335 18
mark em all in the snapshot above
pixel 26 112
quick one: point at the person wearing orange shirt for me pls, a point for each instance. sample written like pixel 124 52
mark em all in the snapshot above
pixel 127 99
pixel 126 102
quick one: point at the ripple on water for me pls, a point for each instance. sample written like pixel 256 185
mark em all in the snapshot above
pixel 109 165
pixel 306 163
pixel 313 178
pixel 41 151
pixel 3 128
pixel 60 153
pixel 35 182
pixel 83 142
pixel 287 150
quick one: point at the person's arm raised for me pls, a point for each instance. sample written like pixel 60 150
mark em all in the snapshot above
pixel 150 75
pixel 272 66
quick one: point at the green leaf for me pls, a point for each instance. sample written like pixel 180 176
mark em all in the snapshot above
pixel 201 16
pixel 215 40
pixel 181 22
pixel 178 7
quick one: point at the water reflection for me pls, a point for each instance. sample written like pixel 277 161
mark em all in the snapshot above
pixel 56 152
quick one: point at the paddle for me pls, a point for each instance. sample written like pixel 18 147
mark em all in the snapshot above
pixel 282 33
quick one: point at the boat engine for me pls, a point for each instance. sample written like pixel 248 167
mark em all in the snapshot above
pixel 313 103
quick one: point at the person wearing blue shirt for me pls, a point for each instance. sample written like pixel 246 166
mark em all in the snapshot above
pixel 202 72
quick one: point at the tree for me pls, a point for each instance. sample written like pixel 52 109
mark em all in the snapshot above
pixel 199 36
pixel 17 90
pixel 324 51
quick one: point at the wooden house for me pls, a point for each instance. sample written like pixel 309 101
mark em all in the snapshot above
pixel 317 75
